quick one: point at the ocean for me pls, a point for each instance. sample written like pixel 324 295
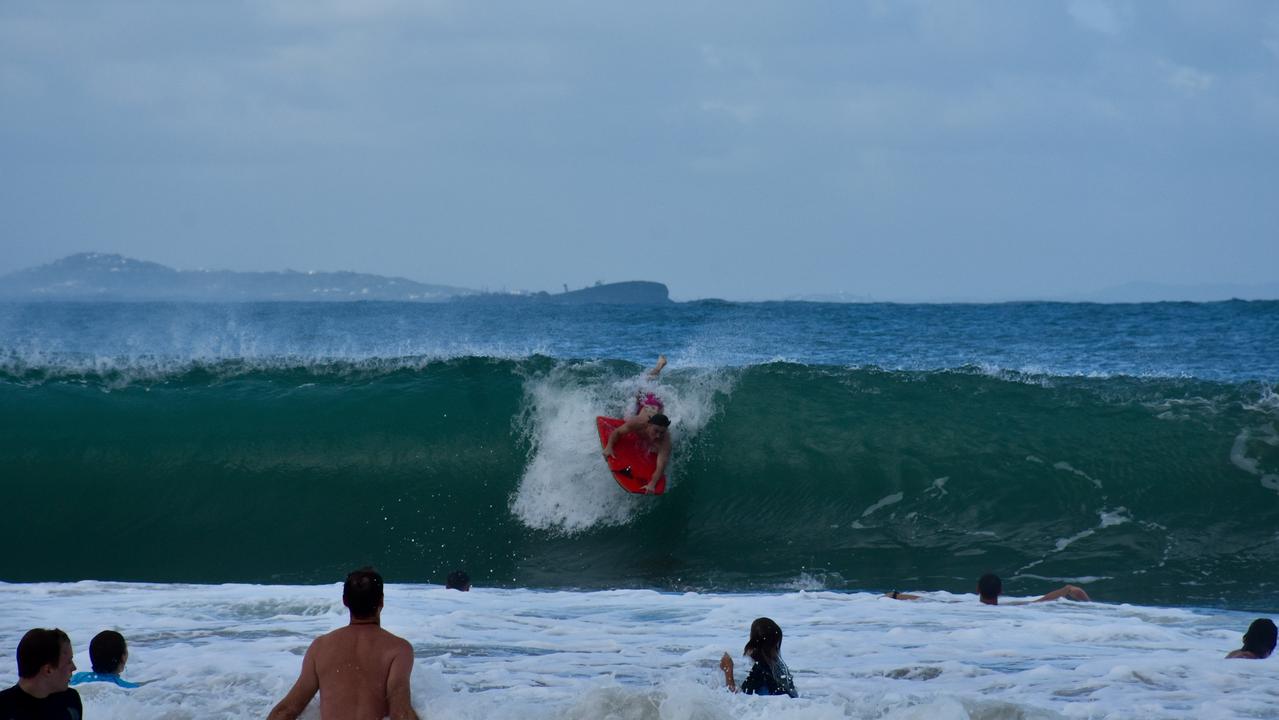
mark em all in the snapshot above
pixel 199 475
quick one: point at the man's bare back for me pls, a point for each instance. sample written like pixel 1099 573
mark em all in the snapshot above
pixel 361 671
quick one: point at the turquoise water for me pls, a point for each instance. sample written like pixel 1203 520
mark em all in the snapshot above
pixel 1132 448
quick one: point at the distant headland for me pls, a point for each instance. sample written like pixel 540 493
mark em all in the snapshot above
pixel 633 292
pixel 116 278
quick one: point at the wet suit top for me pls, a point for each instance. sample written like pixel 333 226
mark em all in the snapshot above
pixel 16 704
pixel 770 680
pixel 87 677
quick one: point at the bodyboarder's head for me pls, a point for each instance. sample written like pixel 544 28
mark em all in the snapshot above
pixel 657 427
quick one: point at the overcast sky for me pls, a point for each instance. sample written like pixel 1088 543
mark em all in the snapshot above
pixel 736 149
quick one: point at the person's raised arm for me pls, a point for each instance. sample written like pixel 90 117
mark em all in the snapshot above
pixel 304 689
pixel 726 664
pixel 1070 592
pixel 399 698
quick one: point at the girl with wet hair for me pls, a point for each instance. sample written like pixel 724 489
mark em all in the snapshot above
pixel 769 675
pixel 1258 642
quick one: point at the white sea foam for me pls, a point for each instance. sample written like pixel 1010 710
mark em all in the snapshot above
pixel 1063 465
pixel 883 502
pixel 1239 457
pixel 232 651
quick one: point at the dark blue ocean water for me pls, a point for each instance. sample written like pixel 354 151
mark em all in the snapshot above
pixel 1129 447
pixel 1229 341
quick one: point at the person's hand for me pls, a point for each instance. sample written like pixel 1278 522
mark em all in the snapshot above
pixel 726 663
pixel 607 453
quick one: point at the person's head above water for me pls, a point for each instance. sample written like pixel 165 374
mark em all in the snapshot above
pixel 765 644
pixel 362 593
pixel 108 653
pixel 458 580
pixel 40 649
pixel 989 588
pixel 1260 638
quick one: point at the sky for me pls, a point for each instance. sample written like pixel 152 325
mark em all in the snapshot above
pixel 903 150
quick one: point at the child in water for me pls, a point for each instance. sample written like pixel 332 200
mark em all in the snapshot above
pixel 769 675
pixel 1258 642
pixel 109 654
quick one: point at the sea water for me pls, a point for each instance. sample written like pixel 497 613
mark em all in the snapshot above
pixel 230 651
pixel 824 454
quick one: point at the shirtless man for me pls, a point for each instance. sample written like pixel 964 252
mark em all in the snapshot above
pixel 361 671
pixel 652 426
pixel 990 587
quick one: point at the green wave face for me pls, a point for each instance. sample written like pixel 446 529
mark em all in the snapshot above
pixel 785 475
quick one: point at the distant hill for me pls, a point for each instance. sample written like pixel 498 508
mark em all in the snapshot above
pixel 98 276
pixel 632 292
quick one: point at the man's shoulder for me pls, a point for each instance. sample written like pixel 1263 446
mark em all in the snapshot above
pixel 17 698
pixel 391 640
pixel 68 698
pixel 381 637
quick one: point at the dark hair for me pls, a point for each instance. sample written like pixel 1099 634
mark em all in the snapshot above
pixel 659 420
pixel 990 586
pixel 106 652
pixel 765 644
pixel 362 592
pixel 1260 638
pixel 40 647
pixel 458 580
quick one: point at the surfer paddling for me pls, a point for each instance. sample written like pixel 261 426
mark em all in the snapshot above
pixel 650 425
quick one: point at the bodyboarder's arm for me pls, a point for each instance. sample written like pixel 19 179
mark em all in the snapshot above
pixel 629 426
pixel 663 456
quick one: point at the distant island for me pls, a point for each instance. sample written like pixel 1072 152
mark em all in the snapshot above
pixel 111 277
pixel 633 292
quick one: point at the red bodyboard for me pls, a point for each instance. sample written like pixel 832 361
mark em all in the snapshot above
pixel 632 464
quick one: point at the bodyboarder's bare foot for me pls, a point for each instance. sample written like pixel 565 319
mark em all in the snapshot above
pixel 657 369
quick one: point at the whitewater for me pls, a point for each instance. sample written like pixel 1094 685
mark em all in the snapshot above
pixel 232 651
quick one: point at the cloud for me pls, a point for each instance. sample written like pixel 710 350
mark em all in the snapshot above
pixel 1271 39
pixel 1097 15
pixel 1187 79
pixel 346 12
